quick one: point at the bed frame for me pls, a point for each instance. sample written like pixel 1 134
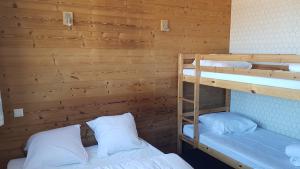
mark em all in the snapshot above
pixel 185 61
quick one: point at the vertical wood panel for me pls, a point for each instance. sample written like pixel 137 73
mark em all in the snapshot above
pixel 114 60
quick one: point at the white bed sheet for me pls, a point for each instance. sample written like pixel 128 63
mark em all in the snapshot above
pixel 289 84
pixel 261 149
pixel 165 161
pixel 147 152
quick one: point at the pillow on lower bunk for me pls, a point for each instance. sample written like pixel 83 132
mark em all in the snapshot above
pixel 55 148
pixel 115 134
pixel 293 151
pixel 294 67
pixel 227 123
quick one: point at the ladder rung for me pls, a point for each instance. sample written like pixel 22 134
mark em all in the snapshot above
pixel 206 111
pixel 189 114
pixel 188 120
pixel 188 100
pixel 187 140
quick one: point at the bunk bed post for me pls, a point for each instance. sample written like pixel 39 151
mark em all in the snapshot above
pixel 180 103
pixel 227 99
pixel 196 100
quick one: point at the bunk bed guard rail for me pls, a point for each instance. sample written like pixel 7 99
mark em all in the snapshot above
pixel 288 93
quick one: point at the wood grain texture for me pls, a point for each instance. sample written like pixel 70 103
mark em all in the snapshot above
pixel 114 60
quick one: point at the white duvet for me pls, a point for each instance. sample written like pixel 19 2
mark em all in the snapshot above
pixel 165 161
pixel 148 156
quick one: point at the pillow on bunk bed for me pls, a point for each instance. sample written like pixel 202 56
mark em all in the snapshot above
pixel 293 151
pixel 231 64
pixel 115 134
pixel 294 67
pixel 227 123
pixel 55 148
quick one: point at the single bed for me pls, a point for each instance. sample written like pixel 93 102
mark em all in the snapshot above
pixel 95 162
pixel 283 83
pixel 261 149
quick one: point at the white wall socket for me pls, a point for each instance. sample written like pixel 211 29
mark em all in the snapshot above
pixel 18 113
pixel 164 26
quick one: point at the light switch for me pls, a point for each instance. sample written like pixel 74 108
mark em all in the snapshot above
pixel 18 113
pixel 164 26
pixel 68 19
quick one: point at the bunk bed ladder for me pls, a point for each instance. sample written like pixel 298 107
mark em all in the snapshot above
pixel 195 102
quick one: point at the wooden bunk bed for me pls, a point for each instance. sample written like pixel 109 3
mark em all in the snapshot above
pixel 192 117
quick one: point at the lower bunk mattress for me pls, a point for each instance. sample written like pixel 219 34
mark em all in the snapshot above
pixel 146 157
pixel 261 149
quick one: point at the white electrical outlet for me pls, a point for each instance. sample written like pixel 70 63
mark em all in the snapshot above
pixel 18 113
pixel 164 26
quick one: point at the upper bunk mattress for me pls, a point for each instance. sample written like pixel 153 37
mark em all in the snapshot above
pixel 94 161
pixel 261 149
pixel 283 83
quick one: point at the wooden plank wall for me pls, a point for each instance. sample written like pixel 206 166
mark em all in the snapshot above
pixel 210 97
pixel 115 59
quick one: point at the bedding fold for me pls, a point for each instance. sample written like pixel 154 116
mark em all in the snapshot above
pixel 166 161
pixel 293 151
pixel 294 67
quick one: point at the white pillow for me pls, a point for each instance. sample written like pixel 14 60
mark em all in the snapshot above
pixel 115 134
pixel 293 151
pixel 55 148
pixel 230 64
pixel 227 123
pixel 294 67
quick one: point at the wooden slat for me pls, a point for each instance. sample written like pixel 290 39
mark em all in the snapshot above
pixel 188 66
pixel 255 72
pixel 191 121
pixel 251 88
pixel 251 58
pixel 191 114
pixel 247 87
pixel 188 100
pixel 212 110
pixel 188 56
pixel 187 140
pixel 196 100
pixel 187 78
pixel 270 67
pixel 206 111
pixel 179 103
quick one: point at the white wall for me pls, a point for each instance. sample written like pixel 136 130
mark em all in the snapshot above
pixel 265 26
